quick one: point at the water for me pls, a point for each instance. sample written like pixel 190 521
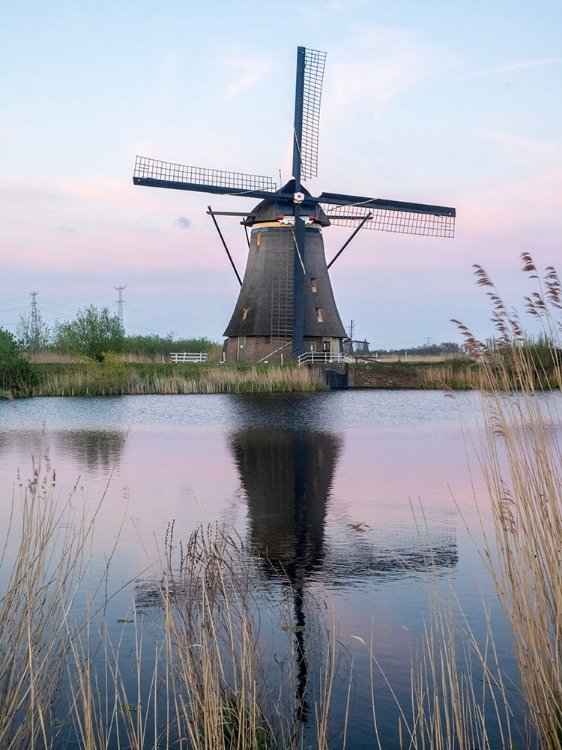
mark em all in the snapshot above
pixel 346 492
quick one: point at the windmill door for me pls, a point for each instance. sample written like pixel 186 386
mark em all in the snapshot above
pixel 241 348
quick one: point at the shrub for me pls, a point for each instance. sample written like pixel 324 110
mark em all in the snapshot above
pixel 33 332
pixel 161 346
pixel 93 332
pixel 17 375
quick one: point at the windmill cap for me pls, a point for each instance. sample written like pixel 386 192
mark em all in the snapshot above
pixel 282 203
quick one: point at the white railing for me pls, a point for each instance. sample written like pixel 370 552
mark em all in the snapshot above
pixel 317 358
pixel 188 356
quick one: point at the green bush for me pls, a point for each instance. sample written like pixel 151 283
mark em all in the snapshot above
pixel 154 345
pixel 94 332
pixel 17 375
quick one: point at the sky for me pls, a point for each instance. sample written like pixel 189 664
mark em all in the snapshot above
pixel 456 103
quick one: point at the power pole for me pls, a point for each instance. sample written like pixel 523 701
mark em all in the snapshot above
pixel 351 327
pixel 120 303
pixel 34 308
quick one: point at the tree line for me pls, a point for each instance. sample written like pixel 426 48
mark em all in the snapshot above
pixel 446 347
pixel 96 331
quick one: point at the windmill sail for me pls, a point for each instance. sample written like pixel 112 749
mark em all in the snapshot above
pixel 155 173
pixel 307 111
pixel 389 216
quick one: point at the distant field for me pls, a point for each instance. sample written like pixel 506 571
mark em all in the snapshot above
pixel 410 358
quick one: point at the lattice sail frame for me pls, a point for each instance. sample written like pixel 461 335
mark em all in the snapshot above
pixel 154 169
pixel 387 220
pixel 314 64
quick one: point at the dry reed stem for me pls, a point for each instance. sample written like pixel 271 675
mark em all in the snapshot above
pixel 521 460
pixel 101 379
pixel 47 568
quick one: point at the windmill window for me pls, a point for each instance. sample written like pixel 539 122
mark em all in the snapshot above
pixel 245 311
pixel 258 239
pixel 319 315
pixel 314 285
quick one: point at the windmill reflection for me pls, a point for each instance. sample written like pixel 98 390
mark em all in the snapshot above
pixel 287 476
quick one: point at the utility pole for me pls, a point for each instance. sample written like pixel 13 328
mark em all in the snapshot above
pixel 351 327
pixel 34 308
pixel 120 303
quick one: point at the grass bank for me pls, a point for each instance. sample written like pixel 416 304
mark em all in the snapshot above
pixel 116 377
pixel 455 374
pixel 542 370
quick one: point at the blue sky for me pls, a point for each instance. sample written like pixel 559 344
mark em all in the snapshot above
pixel 454 103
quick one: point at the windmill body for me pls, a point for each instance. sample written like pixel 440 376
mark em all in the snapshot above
pixel 286 305
pixel 262 324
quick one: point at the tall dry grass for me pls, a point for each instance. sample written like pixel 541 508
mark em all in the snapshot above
pixel 521 459
pixel 192 667
pixel 456 375
pixel 223 624
pixel 42 574
pixel 221 671
pixel 458 698
pixel 209 682
pixel 520 455
pixel 116 377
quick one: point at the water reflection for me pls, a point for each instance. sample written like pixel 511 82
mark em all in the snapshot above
pixel 287 477
pixel 94 450
pixel 24 443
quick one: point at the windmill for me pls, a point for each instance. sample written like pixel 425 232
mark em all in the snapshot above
pixel 286 298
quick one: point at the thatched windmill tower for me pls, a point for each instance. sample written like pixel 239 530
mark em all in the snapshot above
pixel 286 304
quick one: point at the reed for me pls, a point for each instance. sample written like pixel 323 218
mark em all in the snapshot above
pixel 42 574
pixel 458 698
pixel 521 459
pixel 116 377
pixel 207 679
pixel 220 690
pixel 456 375
pixel 228 691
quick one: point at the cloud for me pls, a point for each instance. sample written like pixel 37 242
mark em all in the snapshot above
pixel 520 65
pixel 313 11
pixel 183 222
pixel 247 72
pixel 376 65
